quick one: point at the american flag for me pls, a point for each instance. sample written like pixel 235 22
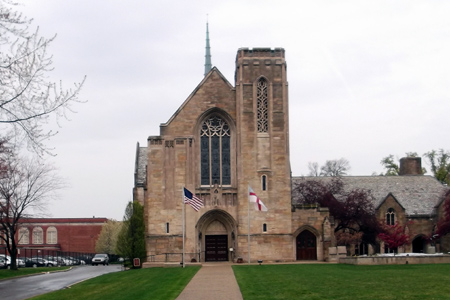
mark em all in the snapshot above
pixel 192 200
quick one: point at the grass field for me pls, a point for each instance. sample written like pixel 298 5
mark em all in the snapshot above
pixel 336 281
pixel 272 282
pixel 152 283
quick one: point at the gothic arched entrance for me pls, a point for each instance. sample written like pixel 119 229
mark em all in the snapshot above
pixel 217 231
pixel 419 244
pixel 306 246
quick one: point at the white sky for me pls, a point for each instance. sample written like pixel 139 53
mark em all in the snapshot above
pixel 366 79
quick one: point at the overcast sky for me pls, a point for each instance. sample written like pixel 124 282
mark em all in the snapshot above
pixel 366 79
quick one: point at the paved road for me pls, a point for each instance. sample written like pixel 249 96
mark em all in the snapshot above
pixel 26 287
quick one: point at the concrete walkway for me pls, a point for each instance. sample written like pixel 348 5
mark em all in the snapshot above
pixel 212 281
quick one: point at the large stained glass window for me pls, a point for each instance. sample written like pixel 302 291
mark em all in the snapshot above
pixel 215 152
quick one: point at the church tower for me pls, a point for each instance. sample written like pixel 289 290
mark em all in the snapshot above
pixel 263 151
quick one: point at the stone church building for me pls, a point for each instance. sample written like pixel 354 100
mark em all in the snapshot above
pixel 225 138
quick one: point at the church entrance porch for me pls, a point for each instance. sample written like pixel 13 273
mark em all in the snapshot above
pixel 216 230
pixel 216 248
pixel 306 246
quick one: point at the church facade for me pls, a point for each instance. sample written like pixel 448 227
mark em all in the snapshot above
pixel 224 139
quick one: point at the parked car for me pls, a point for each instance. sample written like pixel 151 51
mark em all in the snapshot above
pixel 69 260
pixel 44 262
pixel 100 259
pixel 57 261
pixel 2 263
pixel 7 261
pixel 35 262
pixel 20 262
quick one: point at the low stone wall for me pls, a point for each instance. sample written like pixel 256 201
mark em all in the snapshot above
pixel 335 253
pixel 396 260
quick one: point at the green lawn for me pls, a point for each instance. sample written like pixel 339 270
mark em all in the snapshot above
pixel 336 281
pixel 271 282
pixel 152 283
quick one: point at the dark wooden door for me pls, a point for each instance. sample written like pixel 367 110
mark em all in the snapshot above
pixel 306 246
pixel 216 248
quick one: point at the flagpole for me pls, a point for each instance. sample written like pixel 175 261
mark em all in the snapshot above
pixel 248 207
pixel 184 225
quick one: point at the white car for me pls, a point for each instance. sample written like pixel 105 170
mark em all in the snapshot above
pixel 20 263
pixel 100 259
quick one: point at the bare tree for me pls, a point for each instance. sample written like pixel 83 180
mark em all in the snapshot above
pixel 335 167
pixel 314 169
pixel 27 97
pixel 25 187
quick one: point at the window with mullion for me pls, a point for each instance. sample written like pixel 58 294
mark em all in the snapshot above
pixel 215 152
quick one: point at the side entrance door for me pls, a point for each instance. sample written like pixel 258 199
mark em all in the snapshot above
pixel 216 248
pixel 306 246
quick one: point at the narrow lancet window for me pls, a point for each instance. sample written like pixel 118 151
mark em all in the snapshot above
pixel 262 106
pixel 264 182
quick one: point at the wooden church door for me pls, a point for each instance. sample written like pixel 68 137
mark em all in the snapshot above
pixel 306 246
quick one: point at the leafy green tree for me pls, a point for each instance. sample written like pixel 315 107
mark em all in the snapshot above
pixel 131 239
pixel 392 168
pixel 440 164
pixel 107 241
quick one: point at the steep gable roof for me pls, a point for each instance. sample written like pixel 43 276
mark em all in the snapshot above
pixel 417 194
pixel 205 79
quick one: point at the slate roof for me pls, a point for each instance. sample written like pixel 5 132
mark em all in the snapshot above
pixel 417 194
pixel 140 167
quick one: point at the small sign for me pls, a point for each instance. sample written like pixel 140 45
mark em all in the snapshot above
pixel 136 262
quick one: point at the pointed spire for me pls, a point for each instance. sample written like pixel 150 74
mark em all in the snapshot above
pixel 208 51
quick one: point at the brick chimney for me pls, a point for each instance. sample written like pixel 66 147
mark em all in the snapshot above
pixel 410 166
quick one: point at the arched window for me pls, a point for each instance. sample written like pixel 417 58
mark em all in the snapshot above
pixel 215 152
pixel 38 235
pixel 52 235
pixel 24 236
pixel 390 216
pixel 262 106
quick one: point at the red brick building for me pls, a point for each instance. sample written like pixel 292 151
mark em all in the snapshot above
pixel 59 234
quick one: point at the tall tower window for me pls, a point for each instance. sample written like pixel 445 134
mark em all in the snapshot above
pixel 262 106
pixel 215 152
